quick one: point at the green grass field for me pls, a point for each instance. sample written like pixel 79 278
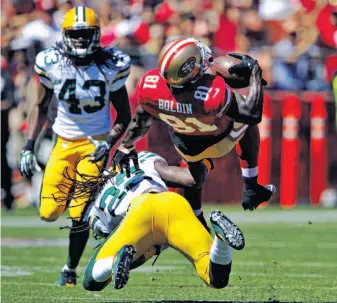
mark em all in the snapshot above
pixel 290 256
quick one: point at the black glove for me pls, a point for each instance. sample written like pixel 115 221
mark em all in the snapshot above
pixel 122 159
pixel 253 193
pixel 245 67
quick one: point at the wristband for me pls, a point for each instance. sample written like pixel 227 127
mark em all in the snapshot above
pixel 111 141
pixel 29 145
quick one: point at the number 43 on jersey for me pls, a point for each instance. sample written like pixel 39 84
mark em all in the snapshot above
pixel 69 87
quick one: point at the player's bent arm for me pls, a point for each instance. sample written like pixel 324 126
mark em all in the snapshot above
pixel 248 110
pixel 120 102
pixel 174 176
pixel 178 177
pixel 39 112
pixel 138 127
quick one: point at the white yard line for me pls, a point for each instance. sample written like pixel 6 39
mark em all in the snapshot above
pixel 229 286
pixel 287 263
pixel 38 242
pixel 280 244
pixel 62 242
pixel 176 263
pixel 12 271
pixel 286 275
pixel 239 217
pixel 47 299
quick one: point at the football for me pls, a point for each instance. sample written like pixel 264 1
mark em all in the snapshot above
pixel 221 66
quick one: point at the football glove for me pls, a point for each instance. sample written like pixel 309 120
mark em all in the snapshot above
pixel 28 163
pixel 245 67
pixel 253 193
pixel 122 159
pixel 102 149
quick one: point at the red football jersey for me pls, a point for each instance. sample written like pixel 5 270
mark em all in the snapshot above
pixel 196 110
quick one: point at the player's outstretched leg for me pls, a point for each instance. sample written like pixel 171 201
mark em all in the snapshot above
pixel 78 238
pixel 121 266
pixel 199 171
pixel 248 151
pixel 132 239
pixel 227 236
pixel 227 231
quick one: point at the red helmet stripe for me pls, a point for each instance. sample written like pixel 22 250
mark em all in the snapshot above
pixel 174 53
pixel 173 44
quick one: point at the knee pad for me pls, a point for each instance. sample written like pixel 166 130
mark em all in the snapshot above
pixel 50 217
pixel 49 212
pixel 200 170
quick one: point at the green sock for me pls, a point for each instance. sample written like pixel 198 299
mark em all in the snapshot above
pixel 77 242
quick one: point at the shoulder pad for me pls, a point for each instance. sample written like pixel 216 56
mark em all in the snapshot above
pixel 118 60
pixel 152 85
pixel 44 62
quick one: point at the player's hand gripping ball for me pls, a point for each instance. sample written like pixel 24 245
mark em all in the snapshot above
pixel 235 69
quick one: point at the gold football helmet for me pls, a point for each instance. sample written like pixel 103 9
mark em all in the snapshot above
pixel 81 31
pixel 183 60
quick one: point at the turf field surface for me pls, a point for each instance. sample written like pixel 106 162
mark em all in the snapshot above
pixel 290 256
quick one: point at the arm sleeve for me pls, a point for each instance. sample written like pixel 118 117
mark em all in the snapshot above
pixel 122 64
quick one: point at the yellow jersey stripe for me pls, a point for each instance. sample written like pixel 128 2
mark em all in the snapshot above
pixel 40 71
pixel 122 74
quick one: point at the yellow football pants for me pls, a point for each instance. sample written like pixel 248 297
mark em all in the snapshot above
pixel 153 219
pixel 55 186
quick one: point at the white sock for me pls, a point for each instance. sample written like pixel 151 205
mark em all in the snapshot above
pixel 250 172
pixel 102 269
pixel 197 212
pixel 67 268
pixel 221 252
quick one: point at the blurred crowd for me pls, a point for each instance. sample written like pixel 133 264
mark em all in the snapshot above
pixel 295 42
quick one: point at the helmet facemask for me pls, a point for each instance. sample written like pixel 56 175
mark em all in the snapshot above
pixel 82 42
pixel 206 59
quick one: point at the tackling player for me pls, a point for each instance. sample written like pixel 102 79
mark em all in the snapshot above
pixel 139 217
pixel 206 118
pixel 85 78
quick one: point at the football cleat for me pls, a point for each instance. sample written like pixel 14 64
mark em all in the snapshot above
pixel 121 266
pixel 67 278
pixel 227 231
pixel 253 197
